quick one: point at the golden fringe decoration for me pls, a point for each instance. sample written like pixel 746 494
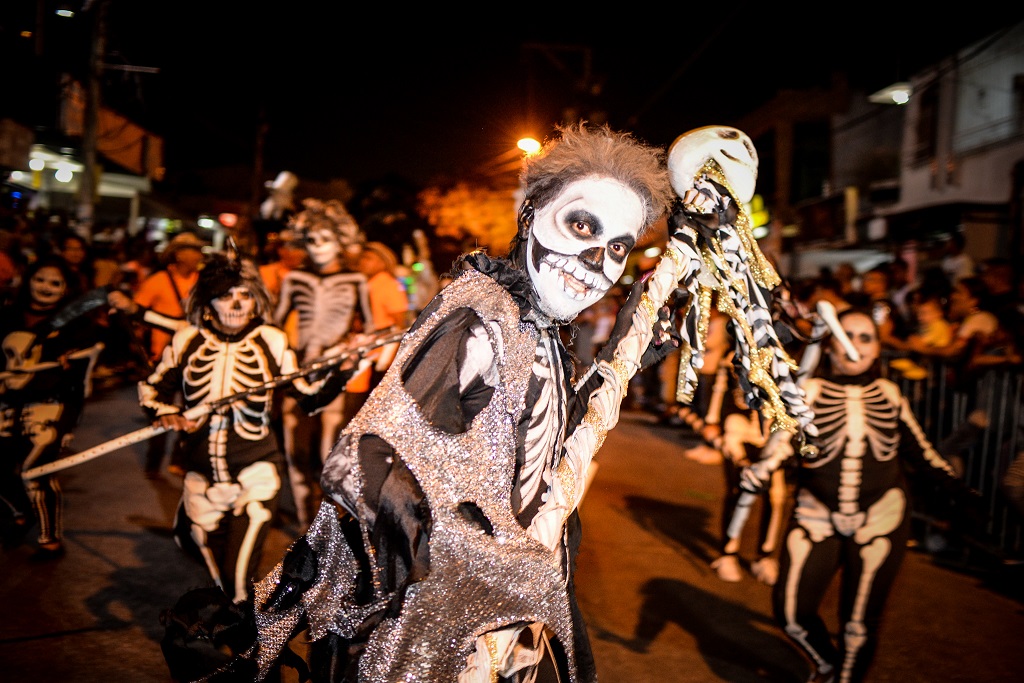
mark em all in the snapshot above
pixel 492 654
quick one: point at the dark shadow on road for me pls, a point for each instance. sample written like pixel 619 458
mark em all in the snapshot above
pixel 683 526
pixel 737 643
pixel 159 574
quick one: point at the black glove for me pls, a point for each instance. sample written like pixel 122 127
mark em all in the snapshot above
pixel 703 223
pixel 298 574
pixel 666 339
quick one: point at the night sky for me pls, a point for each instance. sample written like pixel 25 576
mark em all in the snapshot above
pixel 360 92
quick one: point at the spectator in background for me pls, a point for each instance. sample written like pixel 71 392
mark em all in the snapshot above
pixel 972 325
pixel 165 292
pixel 875 291
pixel 389 305
pixel 902 287
pixel 288 255
pixel 849 282
pixel 1001 296
pixel 956 263
pixel 75 251
pixel 933 332
pixel 827 288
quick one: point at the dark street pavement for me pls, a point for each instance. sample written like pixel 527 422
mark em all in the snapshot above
pixel 656 611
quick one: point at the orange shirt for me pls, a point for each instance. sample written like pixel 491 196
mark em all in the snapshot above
pixel 158 294
pixel 389 305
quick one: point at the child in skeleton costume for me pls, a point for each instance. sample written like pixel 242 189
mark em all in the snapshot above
pixel 47 364
pixel 852 511
pixel 446 545
pixel 232 460
pixel 319 305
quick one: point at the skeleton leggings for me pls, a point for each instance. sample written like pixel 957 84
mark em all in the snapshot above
pixel 807 567
pixel 30 436
pixel 852 514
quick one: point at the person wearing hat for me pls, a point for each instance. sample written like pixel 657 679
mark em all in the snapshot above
pixel 159 304
pixel 166 290
pixel 389 303
pixel 289 254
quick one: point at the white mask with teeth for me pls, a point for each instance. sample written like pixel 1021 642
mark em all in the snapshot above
pixel 578 246
pixel 234 309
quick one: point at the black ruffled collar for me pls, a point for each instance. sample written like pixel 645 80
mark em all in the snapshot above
pixel 517 282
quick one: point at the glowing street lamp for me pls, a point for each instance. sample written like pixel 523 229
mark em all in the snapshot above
pixel 529 146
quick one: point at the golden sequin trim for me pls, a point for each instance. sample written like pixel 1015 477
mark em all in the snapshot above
pixel 648 306
pixel 567 478
pixel 677 258
pixel 622 370
pixel 492 654
pixel 594 419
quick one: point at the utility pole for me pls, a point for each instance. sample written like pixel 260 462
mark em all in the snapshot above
pixel 88 185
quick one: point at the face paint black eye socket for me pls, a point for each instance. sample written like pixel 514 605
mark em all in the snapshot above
pixel 583 228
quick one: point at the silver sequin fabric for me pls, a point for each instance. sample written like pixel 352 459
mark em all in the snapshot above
pixel 478 581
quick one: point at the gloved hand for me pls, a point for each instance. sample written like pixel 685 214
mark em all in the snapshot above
pixel 707 206
pixel 755 478
pixel 298 573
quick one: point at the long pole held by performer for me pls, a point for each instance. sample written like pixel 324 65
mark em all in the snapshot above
pixel 203 409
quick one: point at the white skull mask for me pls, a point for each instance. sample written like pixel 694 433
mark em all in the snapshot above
pixel 20 351
pixel 730 148
pixel 578 246
pixel 234 310
pixel 323 246
pixel 47 287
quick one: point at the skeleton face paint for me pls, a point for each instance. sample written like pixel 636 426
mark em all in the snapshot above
pixel 864 336
pixel 234 310
pixel 579 244
pixel 322 246
pixel 47 287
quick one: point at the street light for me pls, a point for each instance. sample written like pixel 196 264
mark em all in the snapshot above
pixel 528 145
pixel 897 93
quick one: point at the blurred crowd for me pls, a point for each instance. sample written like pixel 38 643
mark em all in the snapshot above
pixel 115 258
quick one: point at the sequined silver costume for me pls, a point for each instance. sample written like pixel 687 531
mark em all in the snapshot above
pixel 483 575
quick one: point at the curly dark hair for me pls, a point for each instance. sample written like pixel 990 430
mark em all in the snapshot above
pixel 218 274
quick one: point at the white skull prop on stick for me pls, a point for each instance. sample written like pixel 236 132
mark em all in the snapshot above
pixel 712 249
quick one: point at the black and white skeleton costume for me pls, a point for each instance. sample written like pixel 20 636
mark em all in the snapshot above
pixel 852 510
pixel 44 382
pixel 232 461
pixel 322 302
